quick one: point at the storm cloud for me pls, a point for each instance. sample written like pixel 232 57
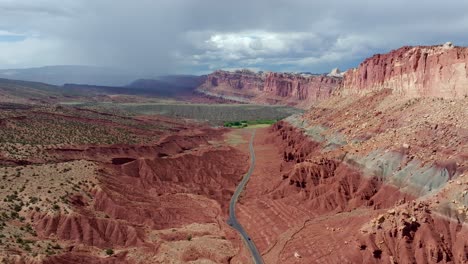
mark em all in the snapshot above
pixel 198 36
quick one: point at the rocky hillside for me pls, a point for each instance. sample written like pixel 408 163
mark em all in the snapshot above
pixel 438 71
pixel 377 178
pixel 301 90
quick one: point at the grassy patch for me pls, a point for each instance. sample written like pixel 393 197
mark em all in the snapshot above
pixel 249 123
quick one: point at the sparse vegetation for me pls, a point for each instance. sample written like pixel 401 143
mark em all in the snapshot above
pixel 27 131
pixel 109 252
pixel 21 196
pixel 215 114
pixel 246 123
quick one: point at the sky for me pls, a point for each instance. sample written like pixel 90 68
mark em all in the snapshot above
pixel 200 36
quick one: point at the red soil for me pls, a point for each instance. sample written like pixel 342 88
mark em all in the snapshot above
pixel 70 258
pixel 182 180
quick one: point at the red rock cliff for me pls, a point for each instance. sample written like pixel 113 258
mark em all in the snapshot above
pixel 301 90
pixel 439 71
pixel 300 87
pixel 236 80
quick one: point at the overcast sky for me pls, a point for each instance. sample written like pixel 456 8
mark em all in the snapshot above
pixel 199 36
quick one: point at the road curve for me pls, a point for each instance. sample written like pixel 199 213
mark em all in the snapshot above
pixel 232 221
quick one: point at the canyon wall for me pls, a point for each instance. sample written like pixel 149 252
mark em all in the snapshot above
pixel 300 90
pixel 435 71
pixel 420 71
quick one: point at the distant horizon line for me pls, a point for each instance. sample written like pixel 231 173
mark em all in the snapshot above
pixel 201 73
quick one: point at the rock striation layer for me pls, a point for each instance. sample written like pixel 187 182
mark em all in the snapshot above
pixel 435 71
pixel 301 90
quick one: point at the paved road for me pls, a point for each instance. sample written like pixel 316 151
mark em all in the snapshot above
pixel 232 221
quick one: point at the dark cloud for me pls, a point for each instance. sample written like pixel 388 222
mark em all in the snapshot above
pixel 191 36
pixel 18 7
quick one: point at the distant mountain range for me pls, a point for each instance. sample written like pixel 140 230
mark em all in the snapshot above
pixel 60 75
pixel 96 80
pixel 54 83
pixel 170 86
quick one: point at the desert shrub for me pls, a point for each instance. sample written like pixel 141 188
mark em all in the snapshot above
pixel 109 251
pixel 56 246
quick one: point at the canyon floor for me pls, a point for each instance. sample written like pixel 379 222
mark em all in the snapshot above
pixel 371 179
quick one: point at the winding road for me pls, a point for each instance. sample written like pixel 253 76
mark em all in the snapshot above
pixel 232 221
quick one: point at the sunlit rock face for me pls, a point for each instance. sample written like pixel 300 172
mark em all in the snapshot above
pixel 435 71
pixel 300 90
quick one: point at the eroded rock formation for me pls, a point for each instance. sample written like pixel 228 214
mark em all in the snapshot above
pixel 377 178
pixel 146 203
pixel 301 90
